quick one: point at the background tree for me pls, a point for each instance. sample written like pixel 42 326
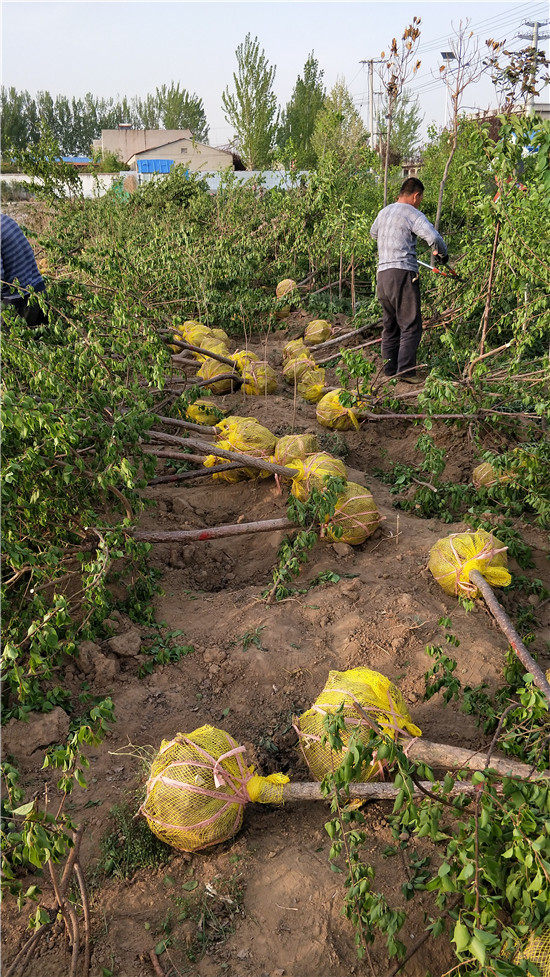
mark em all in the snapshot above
pixel 19 118
pixel 395 71
pixel 298 118
pixel 338 125
pixel 178 109
pixel 466 68
pixel 517 75
pixel 252 108
pixel 405 135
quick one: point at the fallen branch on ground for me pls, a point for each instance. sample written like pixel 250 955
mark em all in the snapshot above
pixel 510 633
pixel 212 532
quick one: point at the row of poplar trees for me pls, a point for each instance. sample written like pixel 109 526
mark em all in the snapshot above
pixel 312 123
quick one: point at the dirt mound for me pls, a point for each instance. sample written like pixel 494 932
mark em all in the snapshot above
pixel 267 902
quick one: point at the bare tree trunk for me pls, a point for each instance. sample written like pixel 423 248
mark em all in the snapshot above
pixel 387 158
pixel 212 532
pixel 510 633
pixel 444 177
pixel 485 320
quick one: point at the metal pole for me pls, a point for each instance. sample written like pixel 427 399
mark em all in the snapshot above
pixel 530 101
pixel 371 103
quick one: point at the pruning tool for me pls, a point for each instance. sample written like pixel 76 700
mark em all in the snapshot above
pixel 446 274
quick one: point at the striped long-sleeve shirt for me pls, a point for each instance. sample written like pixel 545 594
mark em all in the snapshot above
pixel 18 263
pixel 396 229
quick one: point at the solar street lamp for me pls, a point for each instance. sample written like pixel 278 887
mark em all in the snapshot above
pixel 447 56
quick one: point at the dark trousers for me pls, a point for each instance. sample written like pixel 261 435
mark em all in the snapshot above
pixel 399 295
pixel 30 312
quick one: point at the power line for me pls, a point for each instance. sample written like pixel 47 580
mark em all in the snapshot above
pixel 499 20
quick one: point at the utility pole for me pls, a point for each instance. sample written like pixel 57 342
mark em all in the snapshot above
pixel 371 63
pixel 535 24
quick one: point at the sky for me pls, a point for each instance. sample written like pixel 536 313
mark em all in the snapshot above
pixel 128 48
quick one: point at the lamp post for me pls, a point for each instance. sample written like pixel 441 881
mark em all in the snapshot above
pixel 447 56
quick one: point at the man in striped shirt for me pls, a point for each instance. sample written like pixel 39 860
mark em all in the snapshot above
pixel 19 272
pixel 395 230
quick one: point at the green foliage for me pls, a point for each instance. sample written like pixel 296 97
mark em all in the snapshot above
pixel 338 129
pixel 52 179
pixel 76 122
pixel 299 117
pixel 162 650
pixel 130 845
pixel 172 107
pixel 406 123
pixel 294 553
pixel 252 108
pixel 491 850
pixel 31 835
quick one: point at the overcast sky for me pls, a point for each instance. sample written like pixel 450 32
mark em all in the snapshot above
pixel 117 48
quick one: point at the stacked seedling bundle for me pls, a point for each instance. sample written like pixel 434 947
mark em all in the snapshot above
pixel 219 367
pixel 244 435
pixel 300 368
pixel 332 413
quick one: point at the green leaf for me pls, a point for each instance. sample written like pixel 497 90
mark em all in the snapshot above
pixel 24 809
pixel 461 936
pixel 190 885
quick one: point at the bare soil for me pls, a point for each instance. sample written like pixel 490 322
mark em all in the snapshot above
pixel 382 613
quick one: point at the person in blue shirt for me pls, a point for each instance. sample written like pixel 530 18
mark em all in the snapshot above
pixel 395 231
pixel 19 272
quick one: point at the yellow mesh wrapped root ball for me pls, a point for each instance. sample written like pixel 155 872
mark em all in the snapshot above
pixel 331 413
pixel 293 446
pixel 242 357
pixel 285 287
pixel 536 950
pixel 259 378
pixel 355 513
pixel 196 333
pixel 212 345
pixel 184 327
pixel 376 695
pixel 312 385
pixel 199 786
pixel 295 368
pixel 204 412
pixel 211 369
pixel 294 348
pixel 484 476
pixel 246 435
pixel 453 558
pixel 312 471
pixel 317 331
pixel 220 334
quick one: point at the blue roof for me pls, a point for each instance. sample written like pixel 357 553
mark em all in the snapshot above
pixel 154 165
pixel 77 159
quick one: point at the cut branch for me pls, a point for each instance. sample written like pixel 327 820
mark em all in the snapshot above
pixel 213 532
pixel 458 758
pixel 249 460
pixel 201 473
pixel 510 633
pixel 203 352
pixel 346 335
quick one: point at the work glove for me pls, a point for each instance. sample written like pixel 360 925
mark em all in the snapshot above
pixel 440 260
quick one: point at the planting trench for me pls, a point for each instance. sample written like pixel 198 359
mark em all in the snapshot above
pixel 252 668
